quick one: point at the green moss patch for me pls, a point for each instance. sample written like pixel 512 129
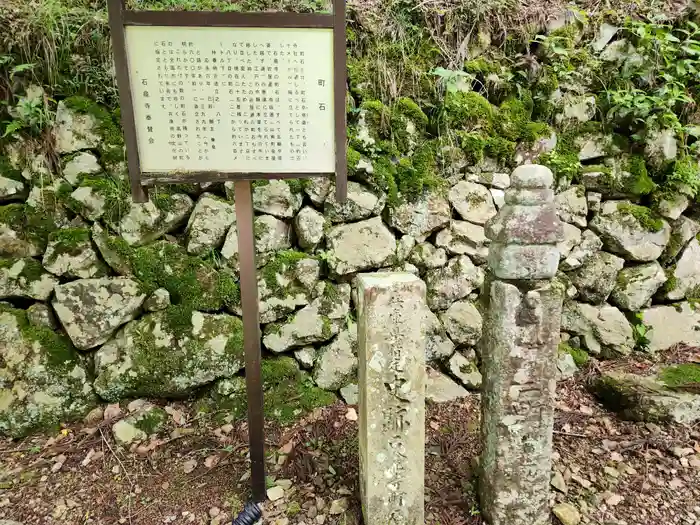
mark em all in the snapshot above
pixel 579 355
pixel 681 375
pixel 111 148
pixel 191 281
pixel 646 218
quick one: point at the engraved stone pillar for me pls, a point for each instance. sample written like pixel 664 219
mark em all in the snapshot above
pixel 391 344
pixel 521 334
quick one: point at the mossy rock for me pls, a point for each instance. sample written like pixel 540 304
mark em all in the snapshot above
pixel 169 354
pixel 190 280
pixel 289 393
pixel 43 380
pixel 656 399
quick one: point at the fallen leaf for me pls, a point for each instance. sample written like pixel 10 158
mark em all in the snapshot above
pixel 675 483
pixel 434 425
pixel 212 461
pixel 189 466
pixel 287 448
pixel 177 415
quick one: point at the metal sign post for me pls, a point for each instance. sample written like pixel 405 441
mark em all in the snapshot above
pixel 210 97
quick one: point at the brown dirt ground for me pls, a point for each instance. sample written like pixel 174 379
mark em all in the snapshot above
pixel 618 472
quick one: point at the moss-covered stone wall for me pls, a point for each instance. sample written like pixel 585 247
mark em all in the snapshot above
pixel 443 102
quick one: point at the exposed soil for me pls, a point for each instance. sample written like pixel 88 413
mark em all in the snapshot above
pixel 616 472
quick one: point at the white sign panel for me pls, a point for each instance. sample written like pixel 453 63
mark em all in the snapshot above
pixel 228 99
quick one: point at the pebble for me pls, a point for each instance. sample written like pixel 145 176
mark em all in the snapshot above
pixel 275 493
pixel 567 514
pixel 286 484
pixel 214 512
pixel 338 506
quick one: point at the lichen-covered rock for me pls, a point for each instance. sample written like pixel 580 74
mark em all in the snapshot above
pixel 596 278
pixel 464 238
pixel 641 398
pixel 169 354
pixel 114 250
pixel 604 329
pixel 440 389
pixel 157 301
pixel 472 201
pixel 287 282
pixel 361 203
pixel 684 277
pixel 12 189
pixel 576 109
pixel 145 422
pixel 572 206
pixel 566 366
pixel 425 256
pixel 636 285
pixel 572 238
pixel 46 202
pixel 209 222
pixel 420 218
pixel 632 231
pixel 40 315
pixel 589 245
pixel 360 246
pixel 672 324
pixel 672 206
pixel 25 279
pixel 25 227
pixel 661 147
pixel 682 231
pixel 148 221
pixel 91 310
pixel 453 282
pixel 43 380
pixel 438 347
pixel 83 163
pixel 75 130
pixel 310 228
pixel 318 189
pixel 276 198
pixel 493 180
pixel 89 202
pixel 316 323
pixel 404 247
pixel 463 323
pixel 70 253
pixel 336 363
pixel 271 235
pixel 306 357
pixel 350 393
pixel 464 369
pixel 592 146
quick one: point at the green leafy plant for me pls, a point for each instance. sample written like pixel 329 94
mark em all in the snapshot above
pixel 641 333
pixel 452 80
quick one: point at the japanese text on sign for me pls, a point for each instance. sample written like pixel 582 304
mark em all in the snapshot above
pixel 241 100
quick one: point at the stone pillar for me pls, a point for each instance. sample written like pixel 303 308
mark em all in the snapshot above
pixel 519 346
pixel 391 348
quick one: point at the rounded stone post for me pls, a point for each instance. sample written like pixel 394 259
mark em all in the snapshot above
pixel 521 334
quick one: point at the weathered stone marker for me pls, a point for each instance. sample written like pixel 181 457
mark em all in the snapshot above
pixel 521 334
pixel 391 347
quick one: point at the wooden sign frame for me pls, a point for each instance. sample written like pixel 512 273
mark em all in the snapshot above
pixel 119 19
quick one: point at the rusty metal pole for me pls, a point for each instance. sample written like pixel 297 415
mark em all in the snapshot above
pixel 251 335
